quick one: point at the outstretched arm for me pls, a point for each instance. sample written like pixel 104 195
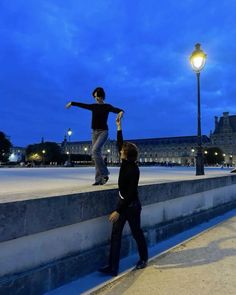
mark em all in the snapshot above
pixel 119 133
pixel 79 104
pixel 114 216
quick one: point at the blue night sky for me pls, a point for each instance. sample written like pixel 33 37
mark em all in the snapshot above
pixel 55 51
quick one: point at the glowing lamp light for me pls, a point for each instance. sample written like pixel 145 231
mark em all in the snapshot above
pixel 198 58
pixel 69 132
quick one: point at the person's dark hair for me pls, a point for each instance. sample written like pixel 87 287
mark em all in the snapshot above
pixel 130 150
pixel 100 92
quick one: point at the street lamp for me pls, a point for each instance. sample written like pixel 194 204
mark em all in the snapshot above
pixel 85 151
pixel 43 152
pixel 69 132
pixel 197 60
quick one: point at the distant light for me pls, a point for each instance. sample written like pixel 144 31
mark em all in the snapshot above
pixel 13 158
pixel 216 153
pixel 85 149
pixel 205 152
pixel 43 151
pixel 224 155
pixel 108 150
pixel 69 132
pixel 192 150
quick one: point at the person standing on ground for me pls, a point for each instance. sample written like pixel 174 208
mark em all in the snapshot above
pixel 100 111
pixel 128 207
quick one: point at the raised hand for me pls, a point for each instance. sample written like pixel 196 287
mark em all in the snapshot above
pixel 118 118
pixel 68 105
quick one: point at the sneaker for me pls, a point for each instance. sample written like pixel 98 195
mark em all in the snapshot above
pixel 108 271
pixel 141 264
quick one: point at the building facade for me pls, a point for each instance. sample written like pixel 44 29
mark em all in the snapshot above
pixel 224 137
pixel 170 150
pixel 162 151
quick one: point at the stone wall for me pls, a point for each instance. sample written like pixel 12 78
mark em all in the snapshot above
pixel 47 242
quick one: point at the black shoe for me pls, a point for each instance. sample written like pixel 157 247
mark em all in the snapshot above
pixel 141 264
pixel 105 179
pixel 108 271
pixel 98 183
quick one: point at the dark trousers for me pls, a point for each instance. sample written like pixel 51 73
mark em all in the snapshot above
pixel 132 215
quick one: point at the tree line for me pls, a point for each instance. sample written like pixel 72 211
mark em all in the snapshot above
pixel 39 153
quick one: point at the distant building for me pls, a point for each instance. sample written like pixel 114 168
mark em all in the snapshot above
pixel 179 150
pixel 224 137
pixel 85 148
pixel 170 150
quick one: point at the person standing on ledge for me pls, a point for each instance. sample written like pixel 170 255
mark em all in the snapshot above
pixel 100 112
pixel 128 207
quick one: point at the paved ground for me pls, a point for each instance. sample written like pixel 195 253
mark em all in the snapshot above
pixel 205 265
pixel 26 183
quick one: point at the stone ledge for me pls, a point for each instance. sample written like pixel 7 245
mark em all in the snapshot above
pixel 39 215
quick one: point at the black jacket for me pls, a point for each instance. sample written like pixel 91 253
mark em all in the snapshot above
pixel 128 180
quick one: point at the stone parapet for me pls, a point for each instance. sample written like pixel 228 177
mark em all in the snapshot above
pixel 50 241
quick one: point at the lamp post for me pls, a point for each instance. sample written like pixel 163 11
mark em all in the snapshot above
pixel 231 160
pixel 197 60
pixel 108 156
pixel 43 153
pixel 69 132
pixel 85 151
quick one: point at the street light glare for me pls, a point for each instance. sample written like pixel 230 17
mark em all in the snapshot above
pixel 69 132
pixel 198 58
pixel 198 63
